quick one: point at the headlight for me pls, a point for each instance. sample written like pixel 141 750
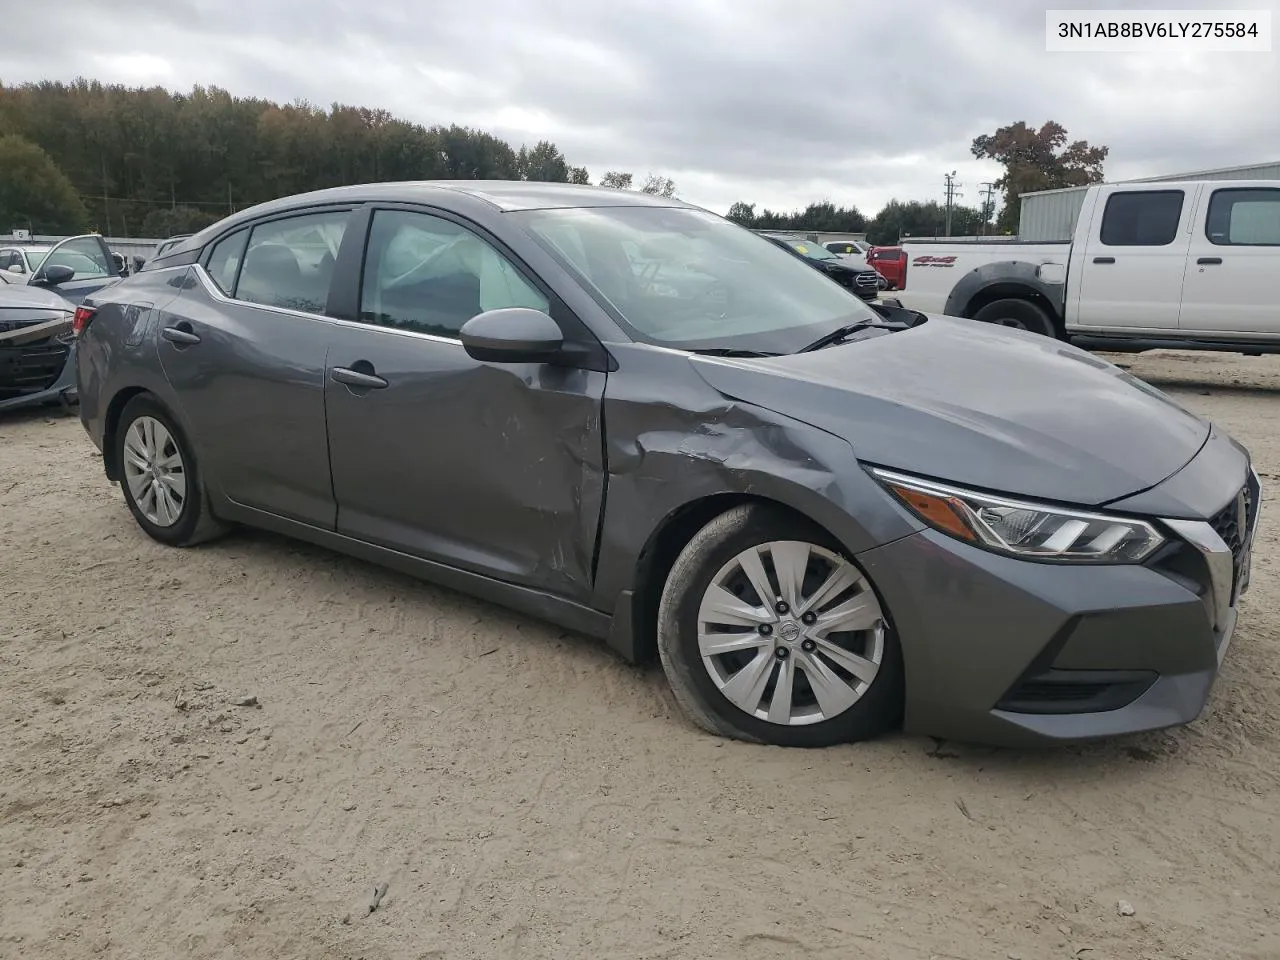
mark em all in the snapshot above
pixel 1031 531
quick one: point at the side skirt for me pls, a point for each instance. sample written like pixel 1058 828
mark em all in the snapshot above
pixel 543 606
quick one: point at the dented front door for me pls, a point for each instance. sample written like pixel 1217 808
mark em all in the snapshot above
pixel 494 468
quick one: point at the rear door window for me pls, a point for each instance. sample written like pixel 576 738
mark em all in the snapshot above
pixel 1141 218
pixel 1244 217
pixel 289 263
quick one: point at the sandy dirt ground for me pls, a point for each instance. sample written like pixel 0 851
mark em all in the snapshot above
pixel 514 791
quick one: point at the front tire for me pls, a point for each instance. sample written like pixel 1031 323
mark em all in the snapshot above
pixel 769 633
pixel 1018 314
pixel 159 477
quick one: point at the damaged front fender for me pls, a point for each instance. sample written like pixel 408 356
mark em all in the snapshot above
pixel 675 443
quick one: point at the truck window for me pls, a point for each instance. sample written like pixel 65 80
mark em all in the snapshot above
pixel 1244 217
pixel 1141 218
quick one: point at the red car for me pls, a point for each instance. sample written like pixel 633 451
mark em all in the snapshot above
pixel 890 263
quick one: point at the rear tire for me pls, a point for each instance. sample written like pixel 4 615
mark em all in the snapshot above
pixel 159 476
pixel 1019 314
pixel 833 630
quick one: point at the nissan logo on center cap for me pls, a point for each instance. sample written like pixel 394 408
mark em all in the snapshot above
pixel 789 631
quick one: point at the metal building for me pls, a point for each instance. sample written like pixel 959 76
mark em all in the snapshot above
pixel 1051 214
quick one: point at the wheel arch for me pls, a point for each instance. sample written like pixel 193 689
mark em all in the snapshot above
pixel 111 427
pixel 635 620
pixel 1012 279
pixel 111 422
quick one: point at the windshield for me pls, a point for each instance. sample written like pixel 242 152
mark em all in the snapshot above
pixel 692 280
pixel 807 248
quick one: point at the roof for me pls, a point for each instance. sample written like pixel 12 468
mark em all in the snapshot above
pixel 502 195
pixel 1195 176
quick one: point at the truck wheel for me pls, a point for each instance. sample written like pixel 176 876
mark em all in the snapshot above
pixel 1019 314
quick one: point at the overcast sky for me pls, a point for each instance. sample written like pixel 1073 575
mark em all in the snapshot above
pixel 780 102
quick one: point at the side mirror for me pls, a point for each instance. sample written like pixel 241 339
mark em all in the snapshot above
pixel 15 268
pixel 55 274
pixel 512 335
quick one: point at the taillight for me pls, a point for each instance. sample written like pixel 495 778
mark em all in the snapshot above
pixel 902 260
pixel 81 319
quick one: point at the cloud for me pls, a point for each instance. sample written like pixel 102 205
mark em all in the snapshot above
pixel 761 100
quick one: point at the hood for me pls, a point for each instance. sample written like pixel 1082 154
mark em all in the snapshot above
pixel 21 296
pixel 845 266
pixel 982 406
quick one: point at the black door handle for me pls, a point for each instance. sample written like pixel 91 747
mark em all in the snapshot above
pixel 1104 259
pixel 358 378
pixel 1204 260
pixel 180 333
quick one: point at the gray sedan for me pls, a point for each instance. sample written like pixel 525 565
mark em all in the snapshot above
pixel 631 417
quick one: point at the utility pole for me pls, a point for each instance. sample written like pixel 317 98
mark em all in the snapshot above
pixel 987 206
pixel 952 194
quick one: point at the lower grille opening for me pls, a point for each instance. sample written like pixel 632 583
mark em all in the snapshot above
pixel 1077 691
pixel 30 368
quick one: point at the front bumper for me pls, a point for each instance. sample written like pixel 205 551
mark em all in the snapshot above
pixel 1018 653
pixel 38 373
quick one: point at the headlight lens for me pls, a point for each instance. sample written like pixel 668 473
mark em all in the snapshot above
pixel 1032 531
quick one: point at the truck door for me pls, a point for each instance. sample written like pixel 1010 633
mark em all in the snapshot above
pixel 1233 262
pixel 1131 272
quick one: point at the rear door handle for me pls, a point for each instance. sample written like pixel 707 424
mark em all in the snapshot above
pixel 1204 260
pixel 357 378
pixel 180 333
pixel 1104 259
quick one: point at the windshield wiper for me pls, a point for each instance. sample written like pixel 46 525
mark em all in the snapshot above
pixel 732 352
pixel 835 336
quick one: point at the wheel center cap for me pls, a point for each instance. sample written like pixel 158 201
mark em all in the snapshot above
pixel 789 631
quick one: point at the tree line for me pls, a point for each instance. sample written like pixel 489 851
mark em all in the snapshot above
pixel 133 161
pixel 148 162
pixel 896 220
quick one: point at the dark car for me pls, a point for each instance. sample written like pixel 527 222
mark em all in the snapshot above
pixel 861 279
pixel 37 350
pixel 636 419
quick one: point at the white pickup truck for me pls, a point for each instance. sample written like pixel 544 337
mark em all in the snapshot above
pixel 1183 265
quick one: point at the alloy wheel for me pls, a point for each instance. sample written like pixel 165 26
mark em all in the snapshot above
pixel 791 632
pixel 154 471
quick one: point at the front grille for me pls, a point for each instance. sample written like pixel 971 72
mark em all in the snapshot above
pixel 1233 523
pixel 31 368
pixel 868 281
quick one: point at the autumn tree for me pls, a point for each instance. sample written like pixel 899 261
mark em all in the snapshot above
pixel 34 194
pixel 1037 160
